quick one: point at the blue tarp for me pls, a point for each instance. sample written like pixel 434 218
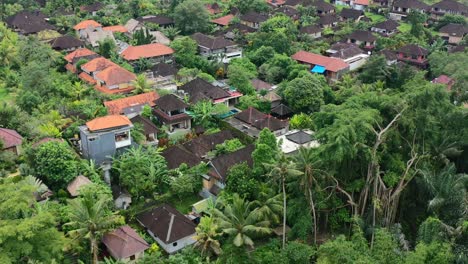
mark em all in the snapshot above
pixel 318 69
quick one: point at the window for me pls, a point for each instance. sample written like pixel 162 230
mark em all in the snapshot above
pixel 174 244
pixel 90 139
pixel 132 257
pixel 121 136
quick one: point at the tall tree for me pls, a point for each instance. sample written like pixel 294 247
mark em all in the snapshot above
pixel 305 94
pixel 207 236
pixel 191 16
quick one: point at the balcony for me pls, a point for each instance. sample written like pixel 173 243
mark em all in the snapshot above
pixel 122 139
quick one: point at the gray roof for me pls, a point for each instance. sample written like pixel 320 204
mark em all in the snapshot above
pixel 457 30
pixel 300 137
pixel 212 42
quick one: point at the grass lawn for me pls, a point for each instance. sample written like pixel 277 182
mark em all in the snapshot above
pixel 375 17
pixel 185 205
pixel 404 27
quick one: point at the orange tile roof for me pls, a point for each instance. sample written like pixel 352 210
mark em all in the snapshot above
pixel 87 78
pixel 116 28
pixel 97 64
pixel 114 75
pixel 330 64
pixel 116 107
pixel 107 122
pixel 106 90
pixel 146 51
pixel 78 54
pixel 70 68
pixel 223 21
pixel 362 2
pixel 86 23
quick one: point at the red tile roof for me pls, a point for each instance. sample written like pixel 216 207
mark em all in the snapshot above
pixel 116 28
pixel 107 122
pixel 146 51
pixel 106 90
pixel 78 54
pixel 10 138
pixel 116 107
pixel 87 23
pixel 223 21
pixel 114 75
pixel 87 78
pixel 97 64
pixel 362 2
pixel 124 242
pixel 443 79
pixel 330 64
pixel 70 68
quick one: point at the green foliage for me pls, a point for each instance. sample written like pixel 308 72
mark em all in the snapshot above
pixel 107 48
pixel 280 23
pixel 266 150
pixel 305 94
pixel 229 146
pixel 188 180
pixel 191 16
pixel 249 5
pixel 417 20
pixel 205 76
pixel 301 121
pixel 254 101
pixel 204 112
pixel 240 180
pixel 142 37
pixel 440 253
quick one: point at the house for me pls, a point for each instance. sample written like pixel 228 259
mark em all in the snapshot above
pixel 312 31
pixel 444 80
pixel 359 4
pixel 332 68
pixel 74 187
pixel 116 28
pixel 348 14
pixel 295 139
pixel 122 199
pixel 159 20
pixel 172 230
pixel 150 131
pixel 93 8
pixel 10 140
pixel 382 4
pixel 95 66
pixel 115 79
pixel 159 37
pixel 163 76
pixel 386 28
pixel 199 89
pixel 177 155
pixel 223 21
pixel 261 85
pixel 328 21
pixel 402 8
pixel 102 137
pixel 133 26
pixel 253 19
pixel 448 7
pixel 273 98
pixel 363 38
pixel 453 33
pixel 414 55
pixel 154 52
pixel 124 244
pixel 281 111
pixel 28 22
pixel 170 111
pixel 349 53
pixel 288 11
pixel 217 48
pixel 131 106
pixel 251 121
pixel 213 9
pixel 203 144
pixel 389 55
pixel 323 8
pixel 74 57
pixel 66 43
pixel 97 35
pixel 234 30
pixel 215 180
pixel 85 25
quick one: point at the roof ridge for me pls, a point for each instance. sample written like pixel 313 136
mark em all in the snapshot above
pixel 7 130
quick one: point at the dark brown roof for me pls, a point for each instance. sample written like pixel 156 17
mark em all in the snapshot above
pixel 221 164
pixel 414 4
pixel 260 85
pixel 65 42
pixel 362 35
pixel 158 222
pixel 322 6
pixel 164 69
pixel 298 2
pixel 166 119
pixel 413 49
pixel 124 242
pixel 388 54
pixel 310 29
pixel 287 10
pixel 93 7
pixel 177 155
pixel 170 102
pixel 260 120
pixel 159 19
pixel 457 30
pixel 29 22
pixel 254 17
pixel 348 13
pixel 201 145
pixel 327 19
pixel 250 115
pixel 199 89
pixel 148 126
pixel 281 110
pixel 345 50
pixel 212 43
pixel 451 5
pixel 388 25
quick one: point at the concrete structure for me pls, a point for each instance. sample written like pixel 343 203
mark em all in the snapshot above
pixel 296 139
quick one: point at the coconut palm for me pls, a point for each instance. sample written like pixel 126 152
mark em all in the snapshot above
pixel 141 85
pixel 239 219
pixel 91 219
pixel 207 234
pixel 279 173
pixel 269 205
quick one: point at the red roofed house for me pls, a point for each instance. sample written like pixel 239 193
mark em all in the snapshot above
pixel 414 55
pixel 10 140
pixel 95 66
pixel 116 28
pixel 84 25
pixel 154 52
pixel 125 244
pixel 359 4
pixel 115 79
pixel 132 105
pixel 445 80
pixel 101 137
pixel 223 21
pixel 332 68
pixel 73 57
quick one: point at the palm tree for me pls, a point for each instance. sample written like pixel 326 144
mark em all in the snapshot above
pixel 279 173
pixel 170 32
pixel 269 205
pixel 207 234
pixel 91 219
pixel 141 85
pixel 240 220
pixel 305 162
